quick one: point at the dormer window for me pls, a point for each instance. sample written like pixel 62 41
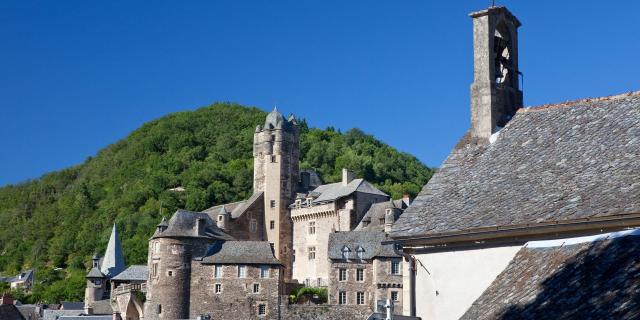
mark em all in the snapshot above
pixel 360 253
pixel 309 201
pixel 345 252
pixel 298 203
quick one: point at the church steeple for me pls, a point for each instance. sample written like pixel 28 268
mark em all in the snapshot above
pixel 113 262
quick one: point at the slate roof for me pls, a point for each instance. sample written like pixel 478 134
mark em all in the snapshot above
pixel 370 241
pixel 29 311
pixel 133 273
pixel 68 305
pixel 113 260
pixel 182 224
pixel 236 209
pixel 333 191
pixel 371 219
pixel 10 312
pixel 560 162
pixel 101 307
pixel 21 277
pixel 105 317
pixel 240 252
pixel 95 273
pixel 50 314
pixel 590 280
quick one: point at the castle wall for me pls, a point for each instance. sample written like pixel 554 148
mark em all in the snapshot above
pixel 240 228
pixel 236 300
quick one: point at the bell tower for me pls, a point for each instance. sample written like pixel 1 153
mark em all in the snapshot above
pixel 495 92
pixel 276 160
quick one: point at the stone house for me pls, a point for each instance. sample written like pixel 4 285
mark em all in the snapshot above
pixel 22 280
pixel 363 271
pixel 316 214
pixel 523 219
pixel 196 269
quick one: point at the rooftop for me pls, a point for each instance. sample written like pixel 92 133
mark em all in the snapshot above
pixel 369 241
pixel 584 278
pixel 554 163
pixel 240 252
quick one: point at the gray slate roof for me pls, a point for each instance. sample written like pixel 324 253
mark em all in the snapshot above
pixel 333 191
pixel 240 252
pixel 113 260
pixel 102 307
pixel 593 280
pixel 104 317
pixel 133 273
pixel 370 241
pixel 182 224
pixel 371 219
pixel 10 312
pixel 21 277
pixel 50 314
pixel 95 273
pixel 68 305
pixel 236 209
pixel 559 162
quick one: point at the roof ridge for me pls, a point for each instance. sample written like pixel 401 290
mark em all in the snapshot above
pixel 570 103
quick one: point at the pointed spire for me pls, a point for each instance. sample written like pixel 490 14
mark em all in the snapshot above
pixel 113 262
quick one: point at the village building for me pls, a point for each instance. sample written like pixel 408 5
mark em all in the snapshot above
pixel 525 217
pixel 363 271
pixel 23 280
pixel 318 213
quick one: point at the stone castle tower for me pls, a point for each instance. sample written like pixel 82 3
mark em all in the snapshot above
pixel 96 285
pixel 276 155
pixel 495 92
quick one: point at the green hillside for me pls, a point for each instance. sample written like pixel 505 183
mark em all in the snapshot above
pixel 62 218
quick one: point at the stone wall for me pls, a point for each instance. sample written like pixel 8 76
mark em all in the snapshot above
pixel 385 282
pixel 324 312
pixel 351 286
pixel 237 299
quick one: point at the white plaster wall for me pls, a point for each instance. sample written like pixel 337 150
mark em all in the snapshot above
pixel 458 277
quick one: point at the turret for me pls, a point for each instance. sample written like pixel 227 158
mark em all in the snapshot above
pixel 222 219
pixel 389 219
pixel 96 285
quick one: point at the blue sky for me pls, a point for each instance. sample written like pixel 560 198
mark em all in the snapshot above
pixel 76 76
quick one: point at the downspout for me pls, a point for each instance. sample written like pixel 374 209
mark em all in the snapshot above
pixel 397 248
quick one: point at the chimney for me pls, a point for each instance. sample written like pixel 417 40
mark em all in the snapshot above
pixel 495 92
pixel 6 299
pixel 200 224
pixel 347 176
pixel 389 219
pixel 406 199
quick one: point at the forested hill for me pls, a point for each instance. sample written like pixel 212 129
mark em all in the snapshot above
pixel 62 218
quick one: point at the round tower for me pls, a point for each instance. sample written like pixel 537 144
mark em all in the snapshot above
pixel 96 285
pixel 222 220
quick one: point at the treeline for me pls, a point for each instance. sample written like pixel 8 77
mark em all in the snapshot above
pixel 61 219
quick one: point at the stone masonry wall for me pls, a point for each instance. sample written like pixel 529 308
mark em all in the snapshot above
pixel 351 286
pixel 236 300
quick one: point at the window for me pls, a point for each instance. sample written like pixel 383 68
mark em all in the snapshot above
pixel 272 224
pixel 262 309
pixel 218 288
pixel 256 288
pixel 298 203
pixel 342 297
pixel 312 227
pixel 360 252
pixel 273 137
pixel 264 272
pixel 342 275
pixel 273 158
pixel 359 275
pixel 217 271
pixel 253 225
pixel 242 271
pixel 360 297
pixel 312 253
pixel 97 282
pixel 381 221
pixel 273 203
pixel 219 217
pixel 159 309
pixel 394 295
pixel 395 267
pixel 156 247
pixel 170 273
pixel 345 252
pixel 154 270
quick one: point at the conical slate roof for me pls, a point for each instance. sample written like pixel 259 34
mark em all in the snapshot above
pixel 113 262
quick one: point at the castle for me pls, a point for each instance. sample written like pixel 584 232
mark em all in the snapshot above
pixel 243 257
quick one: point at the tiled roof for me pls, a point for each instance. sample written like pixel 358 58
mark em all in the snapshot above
pixel 68 305
pixel 333 191
pixel 589 280
pixel 370 241
pixel 236 208
pixel 133 273
pixel 551 163
pixel 10 312
pixel 183 222
pixel 371 220
pixel 240 252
